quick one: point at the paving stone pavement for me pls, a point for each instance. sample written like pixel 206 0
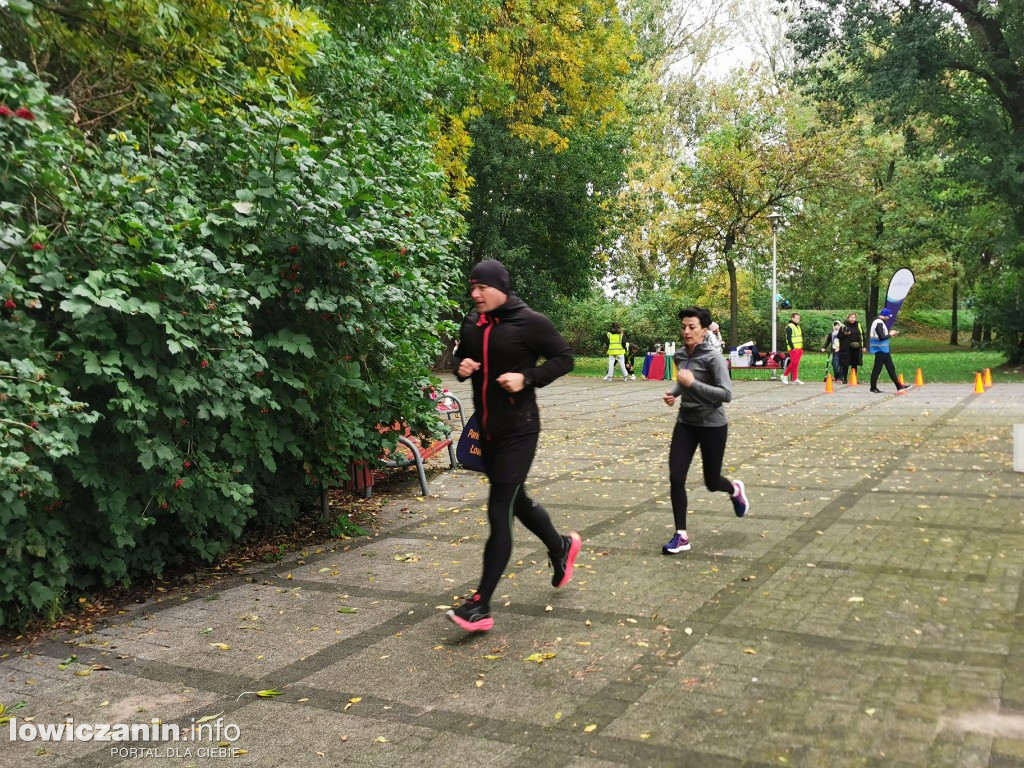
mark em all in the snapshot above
pixel 867 612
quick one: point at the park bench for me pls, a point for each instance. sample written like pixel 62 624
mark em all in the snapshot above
pixel 411 451
pixel 770 365
pixel 448 405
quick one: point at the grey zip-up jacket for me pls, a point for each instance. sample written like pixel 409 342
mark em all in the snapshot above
pixel 702 403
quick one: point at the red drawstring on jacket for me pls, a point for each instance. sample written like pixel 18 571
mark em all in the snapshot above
pixel 490 322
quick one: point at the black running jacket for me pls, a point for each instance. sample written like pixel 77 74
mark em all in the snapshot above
pixel 511 338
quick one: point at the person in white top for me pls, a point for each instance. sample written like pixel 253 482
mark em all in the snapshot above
pixel 714 337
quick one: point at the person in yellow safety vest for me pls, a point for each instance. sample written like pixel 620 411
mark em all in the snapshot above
pixel 795 345
pixel 616 351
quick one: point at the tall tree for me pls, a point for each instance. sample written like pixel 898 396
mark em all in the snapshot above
pixel 676 40
pixel 548 138
pixel 759 150
pixel 960 61
pixel 542 211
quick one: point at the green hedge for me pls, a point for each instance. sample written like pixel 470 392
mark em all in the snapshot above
pixel 653 319
pixel 199 324
pixel 650 320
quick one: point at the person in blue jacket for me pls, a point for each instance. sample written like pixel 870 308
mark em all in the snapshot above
pixel 499 345
pixel 878 345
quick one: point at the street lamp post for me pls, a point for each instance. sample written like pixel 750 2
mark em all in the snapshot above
pixel 776 219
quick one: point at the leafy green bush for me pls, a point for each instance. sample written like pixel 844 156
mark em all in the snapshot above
pixel 200 323
pixel 1002 306
pixel 936 321
pixel 651 319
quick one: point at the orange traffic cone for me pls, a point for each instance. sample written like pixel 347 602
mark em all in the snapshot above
pixel 901 381
pixel 988 377
pixel 979 386
pixel 919 380
pixel 852 381
pixel 828 385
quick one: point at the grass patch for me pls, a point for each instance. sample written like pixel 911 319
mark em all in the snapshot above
pixel 938 363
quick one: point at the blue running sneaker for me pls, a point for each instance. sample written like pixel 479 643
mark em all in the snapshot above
pixel 679 543
pixel 740 502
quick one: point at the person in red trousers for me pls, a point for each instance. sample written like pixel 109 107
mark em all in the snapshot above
pixel 795 347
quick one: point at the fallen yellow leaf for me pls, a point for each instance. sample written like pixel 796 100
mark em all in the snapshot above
pixel 540 657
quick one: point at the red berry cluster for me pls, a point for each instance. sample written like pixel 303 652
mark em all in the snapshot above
pixel 22 112
pixel 292 275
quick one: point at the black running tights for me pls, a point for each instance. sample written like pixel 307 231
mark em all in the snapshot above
pixel 509 500
pixel 883 359
pixel 685 440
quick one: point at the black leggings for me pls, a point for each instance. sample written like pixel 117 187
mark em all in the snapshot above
pixel 883 359
pixel 685 440
pixel 508 500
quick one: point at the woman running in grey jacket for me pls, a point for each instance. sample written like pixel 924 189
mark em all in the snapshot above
pixel 703 385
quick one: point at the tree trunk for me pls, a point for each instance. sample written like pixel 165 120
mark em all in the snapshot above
pixel 734 302
pixel 977 330
pixel 875 257
pixel 872 310
pixel 446 362
pixel 954 329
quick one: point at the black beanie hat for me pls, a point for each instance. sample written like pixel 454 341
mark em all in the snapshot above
pixel 492 273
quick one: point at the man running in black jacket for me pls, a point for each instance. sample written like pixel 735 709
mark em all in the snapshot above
pixel 498 349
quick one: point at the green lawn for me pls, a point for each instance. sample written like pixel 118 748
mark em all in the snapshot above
pixel 944 364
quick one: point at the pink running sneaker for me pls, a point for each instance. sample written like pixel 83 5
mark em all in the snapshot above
pixel 564 560
pixel 472 615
